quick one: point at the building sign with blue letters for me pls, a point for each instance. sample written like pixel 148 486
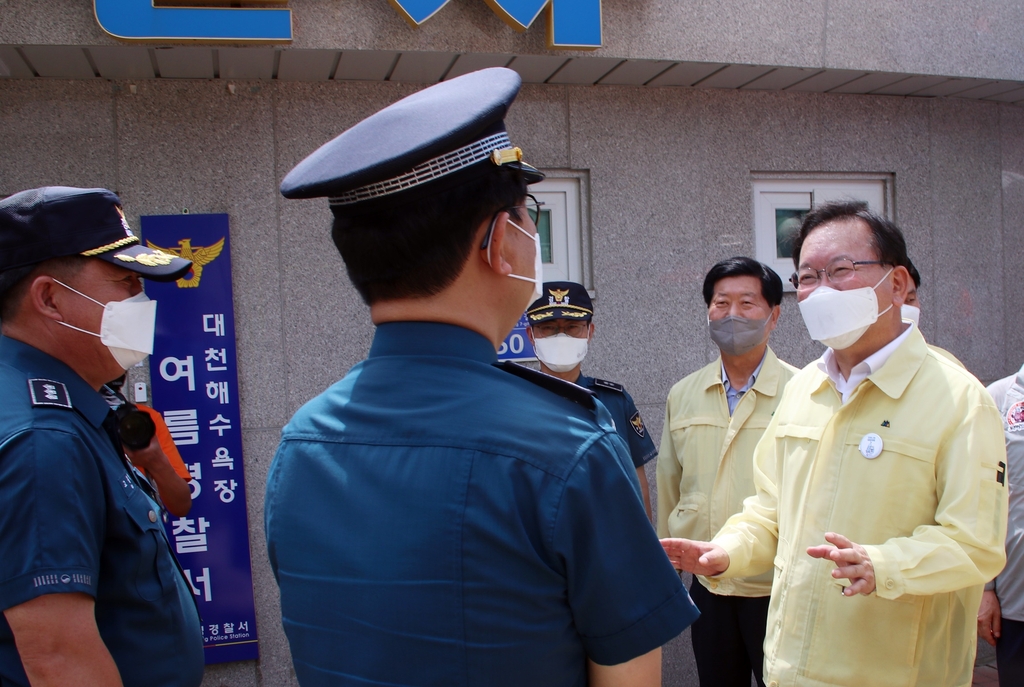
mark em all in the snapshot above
pixel 572 24
pixel 194 373
pixel 517 346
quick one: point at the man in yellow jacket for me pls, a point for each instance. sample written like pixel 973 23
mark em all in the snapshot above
pixel 881 483
pixel 713 419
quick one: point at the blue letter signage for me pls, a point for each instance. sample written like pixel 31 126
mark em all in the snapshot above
pixel 141 20
pixel 574 24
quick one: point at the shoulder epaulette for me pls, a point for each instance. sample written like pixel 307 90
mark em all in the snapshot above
pixel 576 394
pixel 48 393
pixel 605 384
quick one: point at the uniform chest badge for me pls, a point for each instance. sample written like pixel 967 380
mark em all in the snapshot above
pixel 1015 417
pixel 637 423
pixel 871 446
pixel 46 392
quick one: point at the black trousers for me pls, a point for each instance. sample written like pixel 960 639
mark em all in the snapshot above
pixel 1010 654
pixel 728 638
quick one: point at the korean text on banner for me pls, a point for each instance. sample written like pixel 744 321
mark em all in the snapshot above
pixel 194 373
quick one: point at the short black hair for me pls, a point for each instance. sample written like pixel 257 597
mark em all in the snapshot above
pixel 914 274
pixel 417 248
pixel 739 266
pixel 889 244
pixel 14 282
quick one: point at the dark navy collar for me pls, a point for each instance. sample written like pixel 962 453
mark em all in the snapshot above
pixel 431 339
pixel 36 364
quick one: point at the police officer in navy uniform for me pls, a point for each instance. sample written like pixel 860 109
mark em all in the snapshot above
pixel 90 591
pixel 435 518
pixel 561 328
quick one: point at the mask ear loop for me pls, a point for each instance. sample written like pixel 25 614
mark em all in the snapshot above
pixel 487 238
pixel 83 295
pixel 71 326
pixel 879 284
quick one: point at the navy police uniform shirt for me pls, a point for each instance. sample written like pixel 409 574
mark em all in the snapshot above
pixel 433 519
pixel 628 422
pixel 74 520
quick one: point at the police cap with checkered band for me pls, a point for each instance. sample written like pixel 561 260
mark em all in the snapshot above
pixel 430 141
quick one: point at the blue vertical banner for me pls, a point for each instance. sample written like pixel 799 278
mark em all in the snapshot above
pixel 194 375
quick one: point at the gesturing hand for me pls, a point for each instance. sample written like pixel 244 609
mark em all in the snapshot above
pixel 697 557
pixel 852 562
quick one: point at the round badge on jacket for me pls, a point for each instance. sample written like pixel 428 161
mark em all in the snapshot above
pixel 871 446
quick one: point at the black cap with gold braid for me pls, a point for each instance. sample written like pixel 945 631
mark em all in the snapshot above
pixel 58 221
pixel 561 300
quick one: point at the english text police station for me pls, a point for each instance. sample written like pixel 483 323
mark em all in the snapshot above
pixel 673 134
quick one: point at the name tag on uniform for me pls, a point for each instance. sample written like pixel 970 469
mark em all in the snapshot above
pixel 871 446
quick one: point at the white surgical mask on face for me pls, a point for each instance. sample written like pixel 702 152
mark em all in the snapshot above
pixel 839 318
pixel 911 312
pixel 560 353
pixel 127 328
pixel 538 263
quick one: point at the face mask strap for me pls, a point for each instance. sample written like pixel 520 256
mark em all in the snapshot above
pixel 528 234
pixel 536 244
pixel 884 276
pixel 883 279
pixel 79 329
pixel 79 293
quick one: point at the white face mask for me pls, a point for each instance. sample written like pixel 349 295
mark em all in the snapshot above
pixel 560 353
pixel 538 263
pixel 912 313
pixel 839 318
pixel 127 328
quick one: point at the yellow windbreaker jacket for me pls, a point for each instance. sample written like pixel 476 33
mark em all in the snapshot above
pixel 705 463
pixel 930 509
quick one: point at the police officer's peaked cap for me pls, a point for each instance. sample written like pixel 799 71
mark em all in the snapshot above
pixel 58 221
pixel 561 300
pixel 434 139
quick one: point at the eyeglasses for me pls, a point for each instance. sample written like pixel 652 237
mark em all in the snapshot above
pixel 576 330
pixel 837 272
pixel 532 206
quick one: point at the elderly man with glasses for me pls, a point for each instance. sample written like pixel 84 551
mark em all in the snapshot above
pixel 561 328
pixel 881 482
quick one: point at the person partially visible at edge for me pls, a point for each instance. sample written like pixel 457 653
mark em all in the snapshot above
pixel 561 329
pixel 911 308
pixel 1001 615
pixel 159 463
pixel 435 518
pixel 90 591
pixel 881 504
pixel 713 420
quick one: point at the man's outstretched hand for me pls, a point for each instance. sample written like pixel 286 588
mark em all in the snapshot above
pixel 697 557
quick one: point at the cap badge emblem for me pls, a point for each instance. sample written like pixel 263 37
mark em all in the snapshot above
pixel 559 296
pixel 503 156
